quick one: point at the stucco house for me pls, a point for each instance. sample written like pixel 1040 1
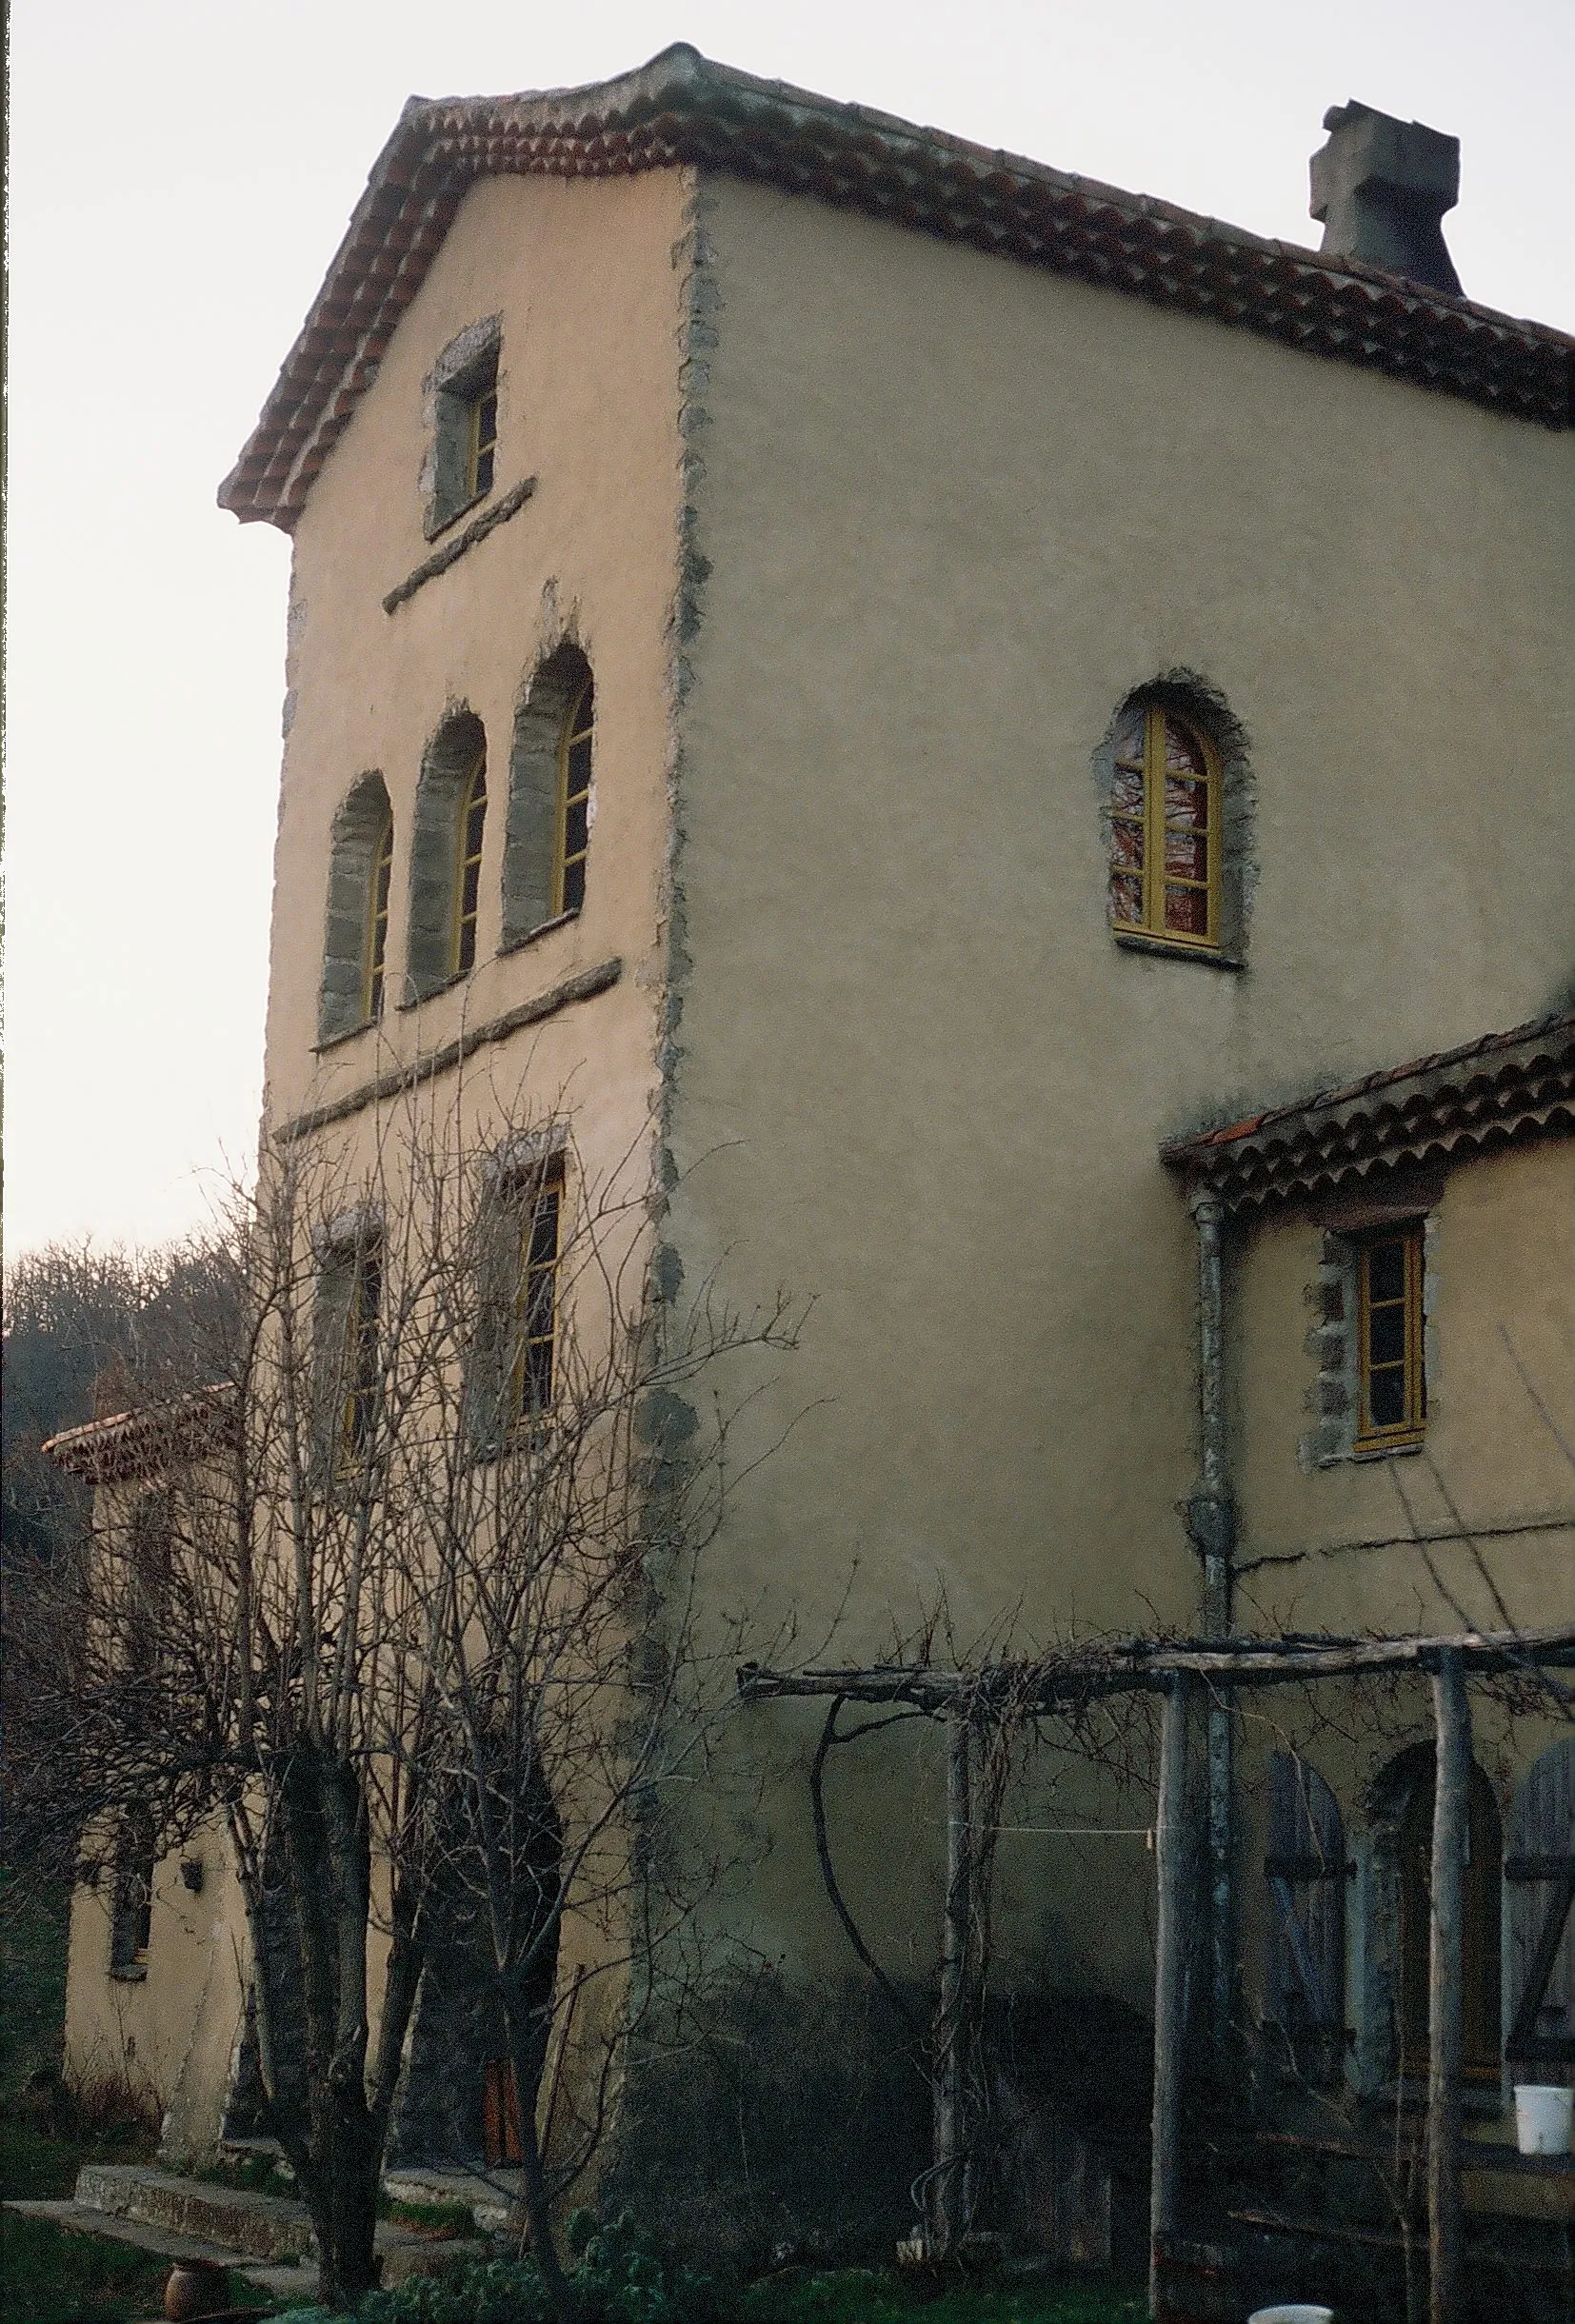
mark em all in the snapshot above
pixel 1007 740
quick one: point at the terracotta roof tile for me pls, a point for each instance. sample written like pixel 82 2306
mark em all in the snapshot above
pixel 682 108
pixel 1502 1088
pixel 139 1444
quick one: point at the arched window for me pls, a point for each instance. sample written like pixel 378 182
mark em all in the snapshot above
pixel 357 927
pixel 549 796
pixel 1166 828
pixel 472 826
pixel 377 923
pixel 574 744
pixel 446 855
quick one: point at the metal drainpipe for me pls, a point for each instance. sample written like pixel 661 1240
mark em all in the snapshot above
pixel 1212 1522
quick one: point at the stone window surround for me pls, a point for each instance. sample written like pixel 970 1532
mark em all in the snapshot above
pixel 1193 698
pixel 465 365
pixel 1334 1395
pixel 358 824
pixel 446 767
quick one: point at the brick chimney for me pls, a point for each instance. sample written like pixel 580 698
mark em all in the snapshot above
pixel 1380 187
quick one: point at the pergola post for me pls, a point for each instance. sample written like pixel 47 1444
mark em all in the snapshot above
pixel 1451 1811
pixel 950 2127
pixel 1171 1852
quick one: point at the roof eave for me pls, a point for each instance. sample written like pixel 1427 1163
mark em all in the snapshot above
pixel 681 108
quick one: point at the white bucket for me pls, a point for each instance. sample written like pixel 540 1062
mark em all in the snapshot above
pixel 1542 2112
pixel 1296 2311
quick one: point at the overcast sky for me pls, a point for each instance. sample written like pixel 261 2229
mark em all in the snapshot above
pixel 181 174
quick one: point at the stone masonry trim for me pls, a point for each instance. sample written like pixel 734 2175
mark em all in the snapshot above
pixel 402 1078
pixel 451 551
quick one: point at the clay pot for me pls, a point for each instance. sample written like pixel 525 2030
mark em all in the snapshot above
pixel 195 2288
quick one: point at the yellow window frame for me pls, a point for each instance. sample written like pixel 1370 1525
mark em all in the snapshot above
pixel 481 441
pixel 359 1373
pixel 470 841
pixel 569 862
pixel 1153 824
pixel 537 1302
pixel 1410 1366
pixel 374 951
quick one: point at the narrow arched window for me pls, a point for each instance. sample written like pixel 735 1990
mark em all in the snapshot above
pixel 472 830
pixel 1166 812
pixel 549 796
pixel 446 854
pixel 377 924
pixel 355 938
pixel 574 797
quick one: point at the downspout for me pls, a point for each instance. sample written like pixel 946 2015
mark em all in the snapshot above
pixel 1211 1525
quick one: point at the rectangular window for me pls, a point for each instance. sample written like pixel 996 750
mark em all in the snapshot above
pixel 465 447
pixel 482 440
pixel 345 1351
pixel 1393 1399
pixel 359 1407
pixel 132 1912
pixel 536 1307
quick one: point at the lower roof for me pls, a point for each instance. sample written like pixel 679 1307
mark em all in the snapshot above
pixel 1503 1088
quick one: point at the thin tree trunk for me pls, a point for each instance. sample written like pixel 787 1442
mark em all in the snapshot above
pixel 1170 1983
pixel 527 2051
pixel 1451 1808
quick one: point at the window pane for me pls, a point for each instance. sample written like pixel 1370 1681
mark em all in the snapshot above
pixel 1126 899
pixel 1129 739
pixel 1126 845
pixel 538 1376
pixel 1386 1335
pixel 1126 791
pixel 1386 1271
pixel 487 422
pixel 1186 910
pixel 1386 1398
pixel 579 764
pixel 574 885
pixel 484 471
pixel 468 892
pixel 544 1231
pixel 575 831
pixel 1182 750
pixel 1185 805
pixel 1186 855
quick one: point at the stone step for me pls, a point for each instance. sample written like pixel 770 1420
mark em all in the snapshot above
pixel 293 2285
pixel 489 2196
pixel 261 2226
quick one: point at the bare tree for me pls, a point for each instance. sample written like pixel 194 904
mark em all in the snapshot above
pixel 417 1620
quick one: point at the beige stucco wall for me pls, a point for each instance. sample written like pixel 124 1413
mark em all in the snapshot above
pixel 588 289
pixel 166 2033
pixel 955 509
pixel 584 280
pixel 1500 1345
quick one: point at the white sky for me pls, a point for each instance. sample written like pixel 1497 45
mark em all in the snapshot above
pixel 182 171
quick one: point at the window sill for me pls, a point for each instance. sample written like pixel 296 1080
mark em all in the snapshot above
pixel 1163 949
pixel 437 526
pixel 130 1973
pixel 531 936
pixel 1402 1449
pixel 351 1032
pixel 431 992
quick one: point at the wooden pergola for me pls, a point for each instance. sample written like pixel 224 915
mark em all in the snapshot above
pixel 1182 1672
